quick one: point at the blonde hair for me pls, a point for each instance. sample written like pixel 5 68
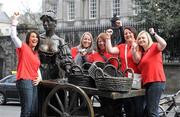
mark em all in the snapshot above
pixel 80 46
pixel 150 41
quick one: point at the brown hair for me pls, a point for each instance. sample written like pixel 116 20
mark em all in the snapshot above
pixel 28 37
pixel 100 36
pixel 132 29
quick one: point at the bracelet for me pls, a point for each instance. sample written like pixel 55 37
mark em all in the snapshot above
pixel 154 34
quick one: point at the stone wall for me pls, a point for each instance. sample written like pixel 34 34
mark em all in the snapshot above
pixel 172 71
pixel 7 56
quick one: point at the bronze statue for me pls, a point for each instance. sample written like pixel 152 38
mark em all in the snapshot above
pixel 118 34
pixel 53 51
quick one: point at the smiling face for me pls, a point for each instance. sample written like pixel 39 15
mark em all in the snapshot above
pixel 86 41
pixel 101 44
pixel 33 40
pixel 144 40
pixel 129 36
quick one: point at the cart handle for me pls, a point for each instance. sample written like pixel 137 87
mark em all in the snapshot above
pixel 74 68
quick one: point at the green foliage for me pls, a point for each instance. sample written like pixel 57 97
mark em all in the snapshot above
pixel 162 14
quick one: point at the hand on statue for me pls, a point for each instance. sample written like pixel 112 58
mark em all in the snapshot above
pixel 109 32
pixel 118 23
pixel 36 81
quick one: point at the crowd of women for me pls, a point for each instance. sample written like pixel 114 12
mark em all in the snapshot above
pixel 136 51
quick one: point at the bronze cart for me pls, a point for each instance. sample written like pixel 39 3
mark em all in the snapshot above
pixel 57 98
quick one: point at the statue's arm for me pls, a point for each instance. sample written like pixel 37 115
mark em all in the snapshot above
pixel 65 56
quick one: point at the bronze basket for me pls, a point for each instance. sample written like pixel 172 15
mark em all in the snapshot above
pixel 80 78
pixel 110 83
pixel 94 66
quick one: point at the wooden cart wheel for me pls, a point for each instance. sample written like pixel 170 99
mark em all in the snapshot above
pixel 67 100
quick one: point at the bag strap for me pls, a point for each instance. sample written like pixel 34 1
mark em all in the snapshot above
pixel 125 54
pixel 105 59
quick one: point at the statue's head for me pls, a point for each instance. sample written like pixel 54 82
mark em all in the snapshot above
pixel 114 19
pixel 49 14
pixel 49 20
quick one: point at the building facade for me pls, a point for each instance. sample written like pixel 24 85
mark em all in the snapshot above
pixel 4 23
pixel 89 12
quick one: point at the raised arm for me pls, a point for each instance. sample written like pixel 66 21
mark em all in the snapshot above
pixel 161 42
pixel 110 49
pixel 136 52
pixel 15 39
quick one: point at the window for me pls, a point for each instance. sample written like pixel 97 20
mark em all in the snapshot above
pixel 116 7
pixel 92 9
pixel 71 10
pixel 52 4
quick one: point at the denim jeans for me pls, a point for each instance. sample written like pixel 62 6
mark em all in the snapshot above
pixel 139 105
pixel 28 98
pixel 153 94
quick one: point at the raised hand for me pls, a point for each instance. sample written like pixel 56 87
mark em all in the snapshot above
pixel 15 17
pixel 134 47
pixel 109 32
pixel 151 30
pixel 118 23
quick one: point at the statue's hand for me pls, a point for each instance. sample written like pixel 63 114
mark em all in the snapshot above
pixel 67 68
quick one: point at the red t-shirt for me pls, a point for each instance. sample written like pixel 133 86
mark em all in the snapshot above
pixel 96 57
pixel 74 52
pixel 151 65
pixel 131 63
pixel 28 63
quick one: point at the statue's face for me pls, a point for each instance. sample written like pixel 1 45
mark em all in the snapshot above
pixel 48 24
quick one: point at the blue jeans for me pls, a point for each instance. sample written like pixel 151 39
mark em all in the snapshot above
pixel 139 105
pixel 28 98
pixel 153 94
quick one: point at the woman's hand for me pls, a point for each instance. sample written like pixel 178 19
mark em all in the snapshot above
pixel 83 52
pixel 109 32
pixel 36 81
pixel 152 32
pixel 15 17
pixel 134 47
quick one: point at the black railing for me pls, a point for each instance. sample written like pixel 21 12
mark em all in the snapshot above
pixel 72 36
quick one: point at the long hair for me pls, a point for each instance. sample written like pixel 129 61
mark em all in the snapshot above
pixel 28 37
pixel 150 41
pixel 103 37
pixel 80 46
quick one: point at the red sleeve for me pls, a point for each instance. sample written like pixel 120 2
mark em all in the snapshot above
pixel 73 52
pixel 90 58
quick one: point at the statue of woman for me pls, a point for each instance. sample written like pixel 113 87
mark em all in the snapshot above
pixel 54 52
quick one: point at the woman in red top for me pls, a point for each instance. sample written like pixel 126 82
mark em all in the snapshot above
pixel 130 35
pixel 83 50
pixel 28 73
pixel 101 55
pixel 151 67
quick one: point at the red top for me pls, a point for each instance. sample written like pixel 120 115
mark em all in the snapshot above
pixel 151 65
pixel 28 63
pixel 131 63
pixel 74 52
pixel 97 57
